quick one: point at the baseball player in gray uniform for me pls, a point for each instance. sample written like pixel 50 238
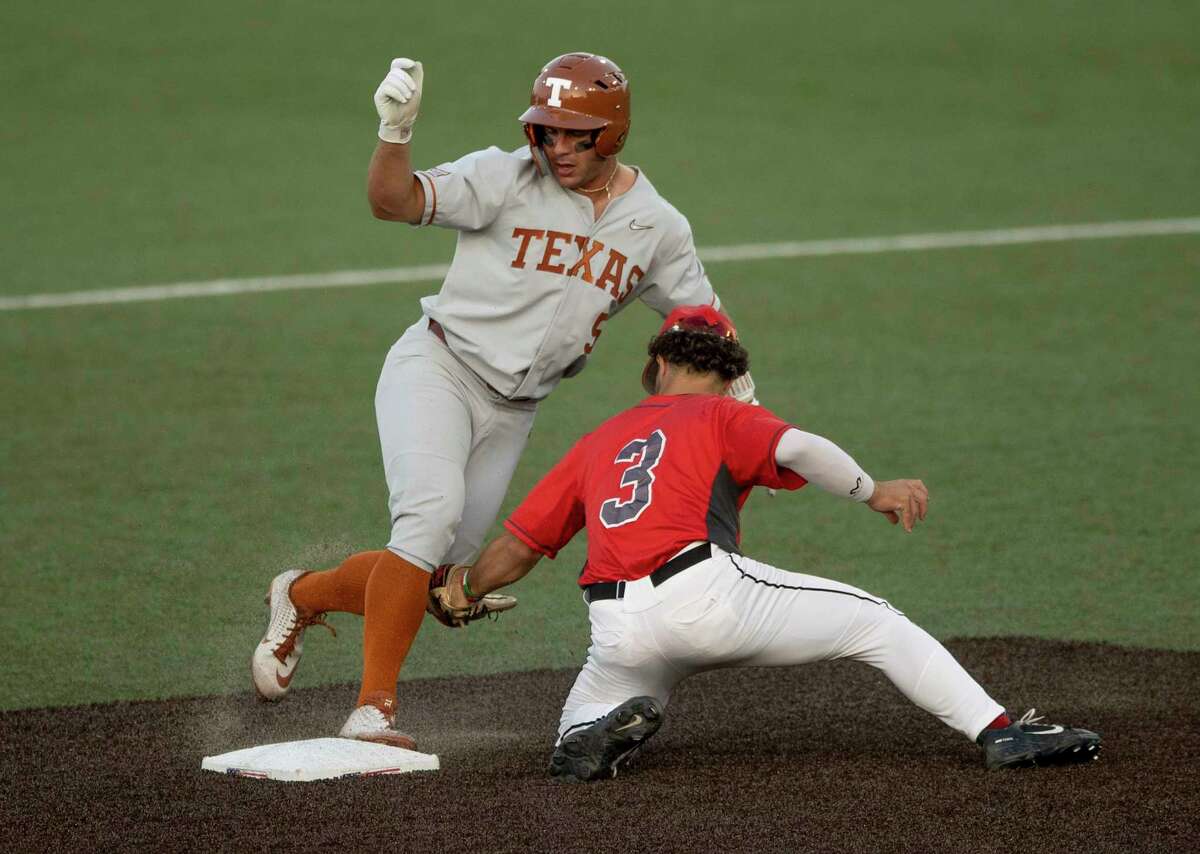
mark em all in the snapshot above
pixel 554 239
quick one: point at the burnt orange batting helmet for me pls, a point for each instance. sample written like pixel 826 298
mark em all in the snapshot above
pixel 697 318
pixel 581 91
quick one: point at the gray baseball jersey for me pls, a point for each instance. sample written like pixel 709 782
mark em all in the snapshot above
pixel 535 275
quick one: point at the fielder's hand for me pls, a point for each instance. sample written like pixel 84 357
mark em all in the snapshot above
pixel 398 99
pixel 450 605
pixel 902 501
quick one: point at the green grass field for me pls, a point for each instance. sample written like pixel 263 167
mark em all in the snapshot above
pixel 160 461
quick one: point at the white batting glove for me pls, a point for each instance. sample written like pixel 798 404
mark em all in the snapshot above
pixel 743 389
pixel 398 99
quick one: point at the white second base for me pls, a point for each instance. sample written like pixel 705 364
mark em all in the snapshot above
pixel 319 759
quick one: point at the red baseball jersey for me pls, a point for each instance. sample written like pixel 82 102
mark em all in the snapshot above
pixel 670 471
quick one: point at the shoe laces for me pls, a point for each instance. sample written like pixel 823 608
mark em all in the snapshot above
pixel 299 624
pixel 1028 717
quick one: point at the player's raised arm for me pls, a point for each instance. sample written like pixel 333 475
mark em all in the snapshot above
pixel 393 191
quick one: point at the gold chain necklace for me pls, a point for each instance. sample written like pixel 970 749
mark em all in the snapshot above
pixel 604 189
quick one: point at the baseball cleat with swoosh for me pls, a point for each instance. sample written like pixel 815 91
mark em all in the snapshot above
pixel 275 658
pixel 375 721
pixel 1027 742
pixel 596 751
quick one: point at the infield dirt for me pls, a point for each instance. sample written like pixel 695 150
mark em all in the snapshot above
pixel 827 757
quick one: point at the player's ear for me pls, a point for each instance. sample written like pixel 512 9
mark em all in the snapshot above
pixel 660 378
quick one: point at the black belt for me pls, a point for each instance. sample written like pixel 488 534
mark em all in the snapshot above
pixel 676 565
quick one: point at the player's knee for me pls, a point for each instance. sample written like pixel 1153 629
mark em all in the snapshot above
pixel 894 629
pixel 879 628
pixel 425 517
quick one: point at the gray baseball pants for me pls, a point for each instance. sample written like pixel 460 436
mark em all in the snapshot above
pixel 450 445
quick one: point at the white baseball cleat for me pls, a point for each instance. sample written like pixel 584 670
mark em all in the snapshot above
pixel 275 658
pixel 375 721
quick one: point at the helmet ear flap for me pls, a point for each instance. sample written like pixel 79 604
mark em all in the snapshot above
pixel 608 141
pixel 533 134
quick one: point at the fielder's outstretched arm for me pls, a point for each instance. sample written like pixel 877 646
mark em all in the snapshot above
pixel 820 461
pixel 504 561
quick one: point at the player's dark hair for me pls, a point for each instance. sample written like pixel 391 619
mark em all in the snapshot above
pixel 703 352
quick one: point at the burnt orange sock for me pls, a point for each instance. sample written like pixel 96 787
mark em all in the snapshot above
pixel 395 600
pixel 340 589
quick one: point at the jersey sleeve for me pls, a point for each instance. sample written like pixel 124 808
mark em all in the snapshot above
pixel 749 436
pixel 676 277
pixel 552 513
pixel 468 193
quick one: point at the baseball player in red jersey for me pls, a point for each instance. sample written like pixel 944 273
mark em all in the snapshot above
pixel 658 489
pixel 554 239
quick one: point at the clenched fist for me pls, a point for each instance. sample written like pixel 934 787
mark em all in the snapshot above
pixel 398 99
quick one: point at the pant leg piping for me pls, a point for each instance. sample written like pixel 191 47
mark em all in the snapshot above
pixel 766 583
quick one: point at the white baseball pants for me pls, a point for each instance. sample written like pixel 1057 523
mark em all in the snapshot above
pixel 731 610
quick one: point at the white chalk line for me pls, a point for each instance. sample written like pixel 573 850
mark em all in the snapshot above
pixel 710 255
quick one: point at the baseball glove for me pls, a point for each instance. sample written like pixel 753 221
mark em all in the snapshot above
pixel 450 605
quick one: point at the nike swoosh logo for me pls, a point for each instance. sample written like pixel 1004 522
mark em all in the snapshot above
pixel 637 720
pixel 284 681
pixel 1054 730
pixel 633 226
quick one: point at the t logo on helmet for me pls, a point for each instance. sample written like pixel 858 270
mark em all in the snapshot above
pixel 556 84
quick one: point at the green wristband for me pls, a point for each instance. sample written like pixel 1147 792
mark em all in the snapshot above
pixel 471 597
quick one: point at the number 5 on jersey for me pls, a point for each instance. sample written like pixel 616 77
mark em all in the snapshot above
pixel 645 454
